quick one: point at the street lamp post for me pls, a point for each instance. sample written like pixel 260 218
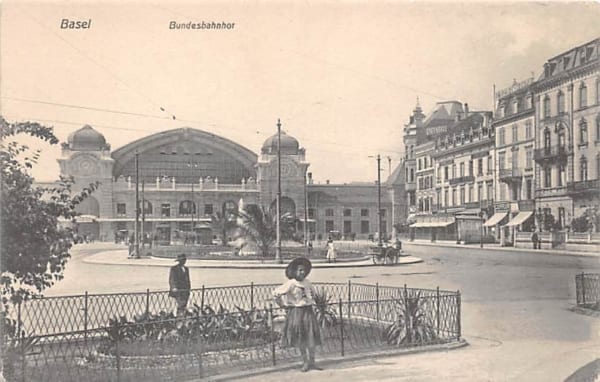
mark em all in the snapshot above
pixel 278 200
pixel 137 206
pixel 378 157
pixel 305 217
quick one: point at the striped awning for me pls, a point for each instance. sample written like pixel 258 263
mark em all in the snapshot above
pixel 520 218
pixel 495 219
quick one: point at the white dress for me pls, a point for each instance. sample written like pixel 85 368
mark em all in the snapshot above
pixel 331 252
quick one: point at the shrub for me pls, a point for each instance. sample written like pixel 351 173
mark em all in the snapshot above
pixel 411 325
pixel 324 309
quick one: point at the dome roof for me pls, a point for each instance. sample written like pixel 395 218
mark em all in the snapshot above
pixel 289 144
pixel 87 139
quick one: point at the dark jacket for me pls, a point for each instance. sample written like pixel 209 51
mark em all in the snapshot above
pixel 180 279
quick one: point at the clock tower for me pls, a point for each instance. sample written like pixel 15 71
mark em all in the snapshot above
pixel 293 174
pixel 86 158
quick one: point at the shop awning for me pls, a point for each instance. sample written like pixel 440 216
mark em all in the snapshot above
pixel 495 219
pixel 431 224
pixel 520 218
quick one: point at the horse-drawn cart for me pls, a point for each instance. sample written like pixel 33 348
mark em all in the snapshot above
pixel 385 255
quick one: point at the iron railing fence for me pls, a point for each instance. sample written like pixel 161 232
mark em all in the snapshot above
pixel 587 289
pixel 54 315
pixel 204 345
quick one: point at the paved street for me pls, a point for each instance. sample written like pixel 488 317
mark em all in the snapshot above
pixel 515 310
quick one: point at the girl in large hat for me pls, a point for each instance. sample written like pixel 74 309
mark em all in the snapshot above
pixel 301 328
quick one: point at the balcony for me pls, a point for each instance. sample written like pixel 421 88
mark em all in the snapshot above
pixel 510 175
pixel 556 152
pixel 584 187
pixel 462 179
pixel 550 192
pixel 472 205
pixel 526 205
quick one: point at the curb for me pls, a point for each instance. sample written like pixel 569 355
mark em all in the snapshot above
pixel 335 360
pixel 506 249
pixel 235 264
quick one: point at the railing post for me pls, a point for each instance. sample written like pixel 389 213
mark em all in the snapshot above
pixel 202 299
pixel 147 302
pixel 458 334
pixel 377 300
pixel 272 334
pixel 341 327
pixel 200 360
pixel 118 324
pixel 85 317
pixel 21 335
pixel 437 314
pixel 252 295
pixel 349 297
pixel 583 287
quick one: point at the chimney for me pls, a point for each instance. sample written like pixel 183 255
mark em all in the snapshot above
pixel 310 179
pixel 466 110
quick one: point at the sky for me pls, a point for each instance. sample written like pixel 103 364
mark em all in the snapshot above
pixel 343 77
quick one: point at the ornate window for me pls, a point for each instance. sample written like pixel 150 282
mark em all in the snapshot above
pixel 560 102
pixel 582 95
pixel 561 176
pixel 561 139
pixel 583 133
pixel 548 177
pixel 583 168
pixel 547 139
pixel 546 106
pixel 515 133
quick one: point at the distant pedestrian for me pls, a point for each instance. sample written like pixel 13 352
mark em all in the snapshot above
pixel 535 240
pixel 301 328
pixel 310 248
pixel 179 284
pixel 331 252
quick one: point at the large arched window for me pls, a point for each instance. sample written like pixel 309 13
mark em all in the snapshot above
pixel 560 102
pixel 583 132
pixel 229 207
pixel 583 168
pixel 582 95
pixel 187 207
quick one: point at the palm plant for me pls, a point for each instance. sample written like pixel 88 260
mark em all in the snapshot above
pixel 258 225
pixel 411 325
pixel 324 309
pixel 222 223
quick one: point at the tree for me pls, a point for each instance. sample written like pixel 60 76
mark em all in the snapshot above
pixel 35 247
pixel 259 225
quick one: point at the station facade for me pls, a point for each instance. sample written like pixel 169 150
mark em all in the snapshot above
pixel 185 177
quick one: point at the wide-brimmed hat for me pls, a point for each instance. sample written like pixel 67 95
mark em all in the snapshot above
pixel 181 256
pixel 290 271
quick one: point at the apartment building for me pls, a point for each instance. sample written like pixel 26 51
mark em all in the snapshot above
pixel 514 178
pixel 567 115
